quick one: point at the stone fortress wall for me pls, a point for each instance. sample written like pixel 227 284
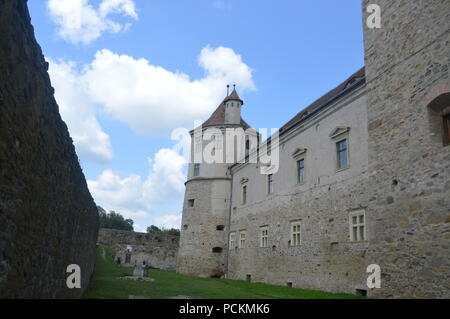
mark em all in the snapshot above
pixel 48 219
pixel 408 94
pixel 131 248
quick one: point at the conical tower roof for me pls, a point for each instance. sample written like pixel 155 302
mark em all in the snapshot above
pixel 218 116
pixel 234 97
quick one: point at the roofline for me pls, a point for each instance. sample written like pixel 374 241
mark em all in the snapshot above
pixel 325 104
pixel 320 108
pixel 218 125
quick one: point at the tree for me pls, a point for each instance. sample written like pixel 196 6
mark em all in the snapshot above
pixel 156 230
pixel 114 220
pixel 153 229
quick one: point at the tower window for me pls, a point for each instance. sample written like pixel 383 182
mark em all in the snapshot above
pixel 191 202
pixel 269 184
pixel 342 154
pixel 358 226
pixel 196 169
pixel 220 227
pixel 439 116
pixel 218 141
pixel 198 144
pixel 217 249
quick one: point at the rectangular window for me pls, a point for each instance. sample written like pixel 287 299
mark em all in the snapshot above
pixel 191 202
pixel 244 194
pixel 269 184
pixel 264 242
pixel 247 148
pixel 295 233
pixel 218 141
pixel 342 154
pixel 196 169
pixel 358 226
pixel 242 235
pixel 301 171
pixel 198 145
pixel 232 240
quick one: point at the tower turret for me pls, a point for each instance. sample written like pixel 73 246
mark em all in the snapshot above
pixel 207 203
pixel 233 105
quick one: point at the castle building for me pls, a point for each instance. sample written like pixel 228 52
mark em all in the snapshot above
pixel 363 178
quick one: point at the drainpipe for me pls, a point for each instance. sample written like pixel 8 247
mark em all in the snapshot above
pixel 229 224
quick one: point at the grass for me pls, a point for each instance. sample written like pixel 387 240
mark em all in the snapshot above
pixel 106 284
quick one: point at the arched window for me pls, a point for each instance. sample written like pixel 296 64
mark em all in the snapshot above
pixel 439 115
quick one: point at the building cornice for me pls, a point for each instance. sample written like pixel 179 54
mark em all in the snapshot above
pixel 195 179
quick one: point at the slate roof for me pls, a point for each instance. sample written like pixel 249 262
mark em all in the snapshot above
pixel 325 99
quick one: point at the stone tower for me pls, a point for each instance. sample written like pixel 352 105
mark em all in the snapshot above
pixel 207 208
pixel 408 97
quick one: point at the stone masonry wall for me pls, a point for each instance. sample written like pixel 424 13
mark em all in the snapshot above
pixel 326 259
pixel 48 219
pixel 158 251
pixel 199 233
pixel 407 62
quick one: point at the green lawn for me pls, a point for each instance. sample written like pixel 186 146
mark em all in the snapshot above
pixel 106 283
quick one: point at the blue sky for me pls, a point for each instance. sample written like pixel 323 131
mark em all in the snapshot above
pixel 129 72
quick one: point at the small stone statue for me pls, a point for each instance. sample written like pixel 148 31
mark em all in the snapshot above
pixel 141 270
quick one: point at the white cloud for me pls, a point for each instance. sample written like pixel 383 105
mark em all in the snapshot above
pixel 136 197
pixel 168 221
pixel 153 100
pixel 149 98
pixel 78 111
pixel 79 22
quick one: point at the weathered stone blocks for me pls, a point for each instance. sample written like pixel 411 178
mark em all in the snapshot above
pixel 48 219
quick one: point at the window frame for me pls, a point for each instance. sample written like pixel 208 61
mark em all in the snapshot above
pixel 358 226
pixel 242 239
pixel 196 170
pixel 232 240
pixel 296 235
pixel 198 144
pixel 269 184
pixel 264 237
pixel 218 142
pixel 339 151
pixel 244 193
pixel 300 171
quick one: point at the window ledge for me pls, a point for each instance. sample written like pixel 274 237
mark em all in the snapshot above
pixel 359 242
pixel 338 170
